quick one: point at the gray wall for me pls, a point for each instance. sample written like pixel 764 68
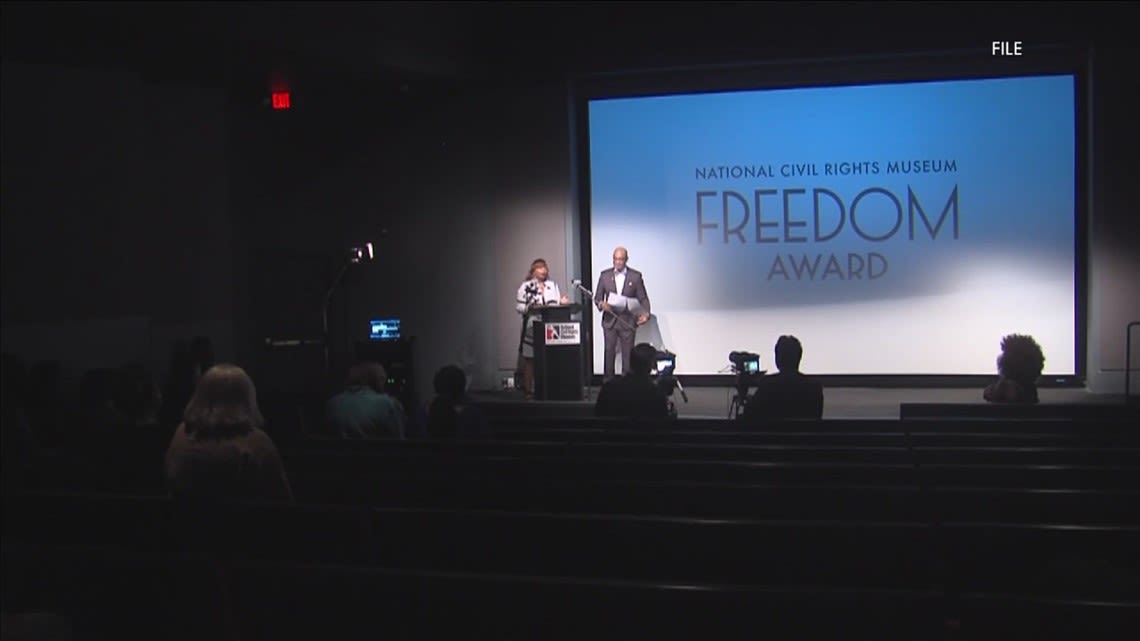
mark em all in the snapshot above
pixel 1114 230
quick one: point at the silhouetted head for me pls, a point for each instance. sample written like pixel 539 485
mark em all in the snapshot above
pixel 450 381
pixel 1021 359
pixel 621 257
pixel 224 403
pixel 370 375
pixel 641 359
pixel 539 270
pixel 789 352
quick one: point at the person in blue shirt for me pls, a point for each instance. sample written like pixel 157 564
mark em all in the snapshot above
pixel 363 410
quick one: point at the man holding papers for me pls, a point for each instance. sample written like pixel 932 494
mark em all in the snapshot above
pixel 621 297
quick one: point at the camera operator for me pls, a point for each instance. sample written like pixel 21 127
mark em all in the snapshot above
pixel 634 394
pixel 789 394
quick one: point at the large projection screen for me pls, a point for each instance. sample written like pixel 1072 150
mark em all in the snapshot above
pixel 895 229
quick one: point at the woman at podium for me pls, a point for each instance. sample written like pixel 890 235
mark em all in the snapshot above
pixel 536 291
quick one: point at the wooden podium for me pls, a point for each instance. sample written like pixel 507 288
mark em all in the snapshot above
pixel 557 353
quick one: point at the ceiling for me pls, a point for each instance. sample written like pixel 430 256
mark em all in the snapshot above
pixel 454 42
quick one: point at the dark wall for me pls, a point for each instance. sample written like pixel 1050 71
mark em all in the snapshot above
pixel 458 191
pixel 116 230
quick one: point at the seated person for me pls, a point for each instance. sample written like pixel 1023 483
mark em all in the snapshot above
pixel 450 414
pixel 363 410
pixel 634 394
pixel 786 395
pixel 220 451
pixel 1019 366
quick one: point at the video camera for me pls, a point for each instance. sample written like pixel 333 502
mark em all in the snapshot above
pixel 664 365
pixel 746 366
pixel 745 363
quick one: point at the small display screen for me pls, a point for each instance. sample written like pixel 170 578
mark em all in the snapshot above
pixel 387 329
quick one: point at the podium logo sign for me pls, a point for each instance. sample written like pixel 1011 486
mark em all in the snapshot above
pixel 563 334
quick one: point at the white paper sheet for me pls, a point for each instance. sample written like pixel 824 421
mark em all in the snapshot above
pixel 621 303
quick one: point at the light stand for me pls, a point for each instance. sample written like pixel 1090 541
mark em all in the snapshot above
pixel 355 255
pixel 587 376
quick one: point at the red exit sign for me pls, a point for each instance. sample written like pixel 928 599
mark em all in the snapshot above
pixel 280 99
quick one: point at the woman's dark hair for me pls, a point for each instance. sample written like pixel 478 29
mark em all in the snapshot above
pixel 224 404
pixel 1021 359
pixel 443 415
pixel 450 381
pixel 371 375
pixel 789 353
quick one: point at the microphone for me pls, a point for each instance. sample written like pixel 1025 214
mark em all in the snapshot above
pixel 575 282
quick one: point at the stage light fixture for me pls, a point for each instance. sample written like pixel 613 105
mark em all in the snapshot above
pixel 361 254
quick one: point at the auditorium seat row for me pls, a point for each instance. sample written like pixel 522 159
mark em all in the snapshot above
pixel 1105 426
pixel 1055 559
pixel 115 595
pixel 819 451
pixel 362 477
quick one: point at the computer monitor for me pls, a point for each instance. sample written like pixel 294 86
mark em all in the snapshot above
pixel 384 329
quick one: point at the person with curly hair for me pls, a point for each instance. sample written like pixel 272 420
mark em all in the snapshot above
pixel 1019 366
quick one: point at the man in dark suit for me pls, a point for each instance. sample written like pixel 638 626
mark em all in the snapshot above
pixel 789 394
pixel 619 324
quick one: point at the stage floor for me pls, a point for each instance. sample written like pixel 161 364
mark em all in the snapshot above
pixel 838 402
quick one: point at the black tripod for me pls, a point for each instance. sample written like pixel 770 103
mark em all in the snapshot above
pixel 740 399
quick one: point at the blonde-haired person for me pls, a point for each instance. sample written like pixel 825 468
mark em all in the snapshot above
pixel 536 291
pixel 220 451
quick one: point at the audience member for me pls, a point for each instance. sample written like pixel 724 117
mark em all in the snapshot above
pixel 137 396
pixel 450 414
pixel 788 394
pixel 363 410
pixel 220 451
pixel 634 394
pixel 1019 366
pixel 96 422
pixel 188 361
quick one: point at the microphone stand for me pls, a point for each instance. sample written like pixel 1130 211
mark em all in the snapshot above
pixel 617 318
